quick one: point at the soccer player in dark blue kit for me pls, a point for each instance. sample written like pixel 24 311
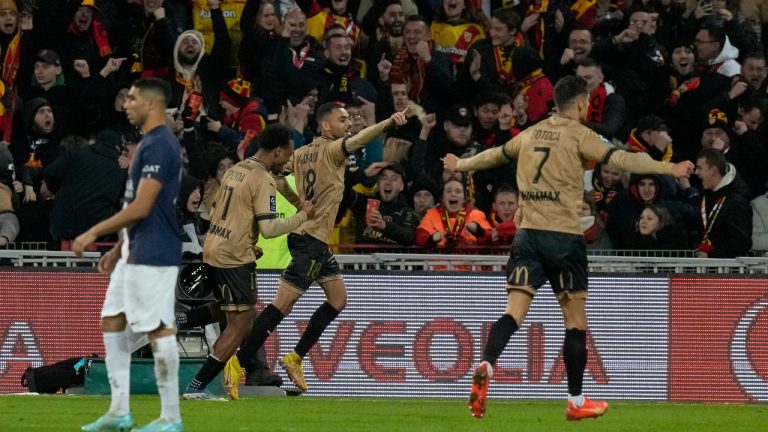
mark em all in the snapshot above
pixel 143 265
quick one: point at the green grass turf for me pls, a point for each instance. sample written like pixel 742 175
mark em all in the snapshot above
pixel 307 414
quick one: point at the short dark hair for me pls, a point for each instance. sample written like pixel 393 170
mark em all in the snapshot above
pixel 504 188
pixel 272 137
pixel 715 30
pixel 567 89
pixel 158 86
pixel 754 56
pixel 490 97
pixel 714 158
pixel 578 27
pixel 326 109
pixel 752 101
pixel 416 18
pixel 589 62
pixel 508 16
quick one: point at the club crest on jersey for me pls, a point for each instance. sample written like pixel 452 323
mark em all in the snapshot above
pixel 272 203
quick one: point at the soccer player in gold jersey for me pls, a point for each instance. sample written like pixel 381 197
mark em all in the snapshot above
pixel 549 244
pixel 245 206
pixel 319 171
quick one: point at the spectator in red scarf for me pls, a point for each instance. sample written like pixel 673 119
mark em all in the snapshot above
pixel 607 108
pixel 533 90
pixel 502 216
pixel 244 117
pixel 85 38
pixel 651 136
pixel 607 182
pixel 427 73
pixel 488 65
pixel 11 26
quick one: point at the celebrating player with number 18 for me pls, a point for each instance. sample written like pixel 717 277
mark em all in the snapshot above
pixel 319 171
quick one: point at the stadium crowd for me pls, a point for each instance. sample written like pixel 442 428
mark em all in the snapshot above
pixel 676 79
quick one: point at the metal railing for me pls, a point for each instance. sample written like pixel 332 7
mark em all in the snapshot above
pixel 599 261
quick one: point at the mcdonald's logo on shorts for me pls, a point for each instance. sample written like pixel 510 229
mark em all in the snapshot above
pixel 518 276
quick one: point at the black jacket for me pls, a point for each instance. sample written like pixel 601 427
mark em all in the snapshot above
pixel 401 220
pixel 730 234
pixel 88 184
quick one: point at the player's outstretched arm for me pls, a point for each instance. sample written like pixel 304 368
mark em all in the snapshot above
pixel 274 226
pixel 594 149
pixel 486 159
pixel 641 163
pixel 366 136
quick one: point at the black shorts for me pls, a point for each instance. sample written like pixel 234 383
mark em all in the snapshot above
pixel 311 260
pixel 235 287
pixel 538 256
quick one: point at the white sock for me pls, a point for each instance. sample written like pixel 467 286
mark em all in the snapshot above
pixel 118 362
pixel 577 401
pixel 167 376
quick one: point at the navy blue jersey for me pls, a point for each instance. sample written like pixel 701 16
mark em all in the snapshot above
pixel 155 240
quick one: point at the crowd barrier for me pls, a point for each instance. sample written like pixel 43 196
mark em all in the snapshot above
pixel 413 333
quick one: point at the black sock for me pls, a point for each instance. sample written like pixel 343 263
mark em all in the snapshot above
pixel 317 324
pixel 207 373
pixel 575 356
pixel 498 338
pixel 197 317
pixel 265 324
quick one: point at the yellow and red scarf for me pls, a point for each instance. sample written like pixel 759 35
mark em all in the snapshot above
pixel 411 70
pixel 585 12
pixel 99 36
pixel 708 221
pixel 634 145
pixel 453 232
pixel 538 29
pixel 597 104
pixel 502 57
pixel 11 60
pixel 677 91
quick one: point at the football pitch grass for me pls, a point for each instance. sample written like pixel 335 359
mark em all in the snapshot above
pixel 326 414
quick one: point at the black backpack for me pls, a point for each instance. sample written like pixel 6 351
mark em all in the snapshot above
pixel 51 378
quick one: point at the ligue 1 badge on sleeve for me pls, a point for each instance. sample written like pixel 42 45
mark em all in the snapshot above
pixel 272 203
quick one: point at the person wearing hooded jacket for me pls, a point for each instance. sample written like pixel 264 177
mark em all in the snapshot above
pixel 726 216
pixel 81 35
pixel 626 207
pixel 688 92
pixel 715 51
pixel 196 74
pixel 87 183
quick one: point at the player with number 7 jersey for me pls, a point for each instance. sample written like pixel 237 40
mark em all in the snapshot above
pixel 319 171
pixel 549 244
